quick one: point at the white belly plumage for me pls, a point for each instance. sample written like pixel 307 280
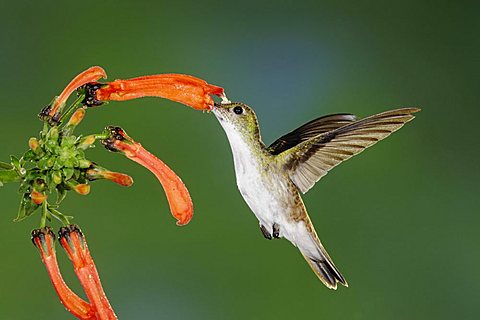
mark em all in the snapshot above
pixel 264 194
pixel 267 201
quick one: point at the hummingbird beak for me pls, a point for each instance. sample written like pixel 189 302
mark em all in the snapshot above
pixel 218 105
pixel 224 98
pixel 224 101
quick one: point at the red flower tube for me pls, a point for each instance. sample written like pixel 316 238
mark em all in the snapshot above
pixel 178 197
pixel 89 75
pixel 72 240
pixel 188 90
pixel 43 239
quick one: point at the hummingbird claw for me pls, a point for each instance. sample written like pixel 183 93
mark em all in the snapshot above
pixel 265 232
pixel 276 231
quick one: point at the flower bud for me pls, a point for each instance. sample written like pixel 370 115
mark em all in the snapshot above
pixel 33 144
pixel 76 118
pixel 82 189
pixel 38 197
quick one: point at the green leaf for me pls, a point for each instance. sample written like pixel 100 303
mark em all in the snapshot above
pixel 24 187
pixel 59 216
pixel 76 162
pixel 68 173
pixel 15 162
pixel 58 164
pixel 56 176
pixel 51 145
pixel 84 163
pixel 29 156
pixel 51 161
pixel 30 207
pixel 6 166
pixel 21 211
pixel 43 163
pixel 33 174
pixel 49 182
pixel 68 163
pixel 68 141
pixel 52 134
pixel 9 176
pixel 26 209
pixel 61 194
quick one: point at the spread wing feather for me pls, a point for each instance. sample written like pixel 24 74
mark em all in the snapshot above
pixel 310 160
pixel 309 130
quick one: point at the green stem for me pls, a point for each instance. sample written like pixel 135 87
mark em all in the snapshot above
pixel 43 220
pixel 72 108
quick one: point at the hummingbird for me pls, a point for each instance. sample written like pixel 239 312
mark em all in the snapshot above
pixel 271 179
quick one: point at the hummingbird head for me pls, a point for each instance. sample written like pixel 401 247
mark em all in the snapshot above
pixel 237 118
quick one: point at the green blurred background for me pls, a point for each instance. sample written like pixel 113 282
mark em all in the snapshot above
pixel 400 220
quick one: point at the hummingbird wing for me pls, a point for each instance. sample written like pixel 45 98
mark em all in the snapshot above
pixel 309 130
pixel 310 160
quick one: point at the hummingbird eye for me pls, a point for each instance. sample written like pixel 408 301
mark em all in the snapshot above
pixel 238 110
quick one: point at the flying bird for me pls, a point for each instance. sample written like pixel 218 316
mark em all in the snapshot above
pixel 272 178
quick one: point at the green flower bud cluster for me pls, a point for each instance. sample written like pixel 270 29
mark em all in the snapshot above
pixel 53 163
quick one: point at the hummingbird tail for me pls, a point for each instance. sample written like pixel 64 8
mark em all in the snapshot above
pixel 324 268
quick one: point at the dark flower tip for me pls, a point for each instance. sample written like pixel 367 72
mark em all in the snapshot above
pixel 90 99
pixel 39 235
pixel 65 232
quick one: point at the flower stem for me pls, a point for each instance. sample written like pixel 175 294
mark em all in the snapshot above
pixel 43 219
pixel 72 108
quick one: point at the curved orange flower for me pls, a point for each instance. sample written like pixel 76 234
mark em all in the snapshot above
pixel 178 197
pixel 188 90
pixel 89 75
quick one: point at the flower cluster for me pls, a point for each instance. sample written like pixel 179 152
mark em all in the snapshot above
pixel 56 163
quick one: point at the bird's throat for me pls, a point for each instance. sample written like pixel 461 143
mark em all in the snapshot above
pixel 247 151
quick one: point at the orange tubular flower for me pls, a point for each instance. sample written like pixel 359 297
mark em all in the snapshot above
pixel 188 90
pixel 89 75
pixel 72 240
pixel 178 197
pixel 43 239
pixel 96 173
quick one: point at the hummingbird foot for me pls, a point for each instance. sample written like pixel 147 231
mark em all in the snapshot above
pixel 265 232
pixel 276 231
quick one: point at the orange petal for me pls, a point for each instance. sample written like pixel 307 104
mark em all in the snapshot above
pixel 89 75
pixel 188 90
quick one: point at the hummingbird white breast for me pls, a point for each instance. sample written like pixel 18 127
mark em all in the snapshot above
pixel 264 192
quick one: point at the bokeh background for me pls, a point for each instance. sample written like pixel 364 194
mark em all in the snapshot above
pixel 400 220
